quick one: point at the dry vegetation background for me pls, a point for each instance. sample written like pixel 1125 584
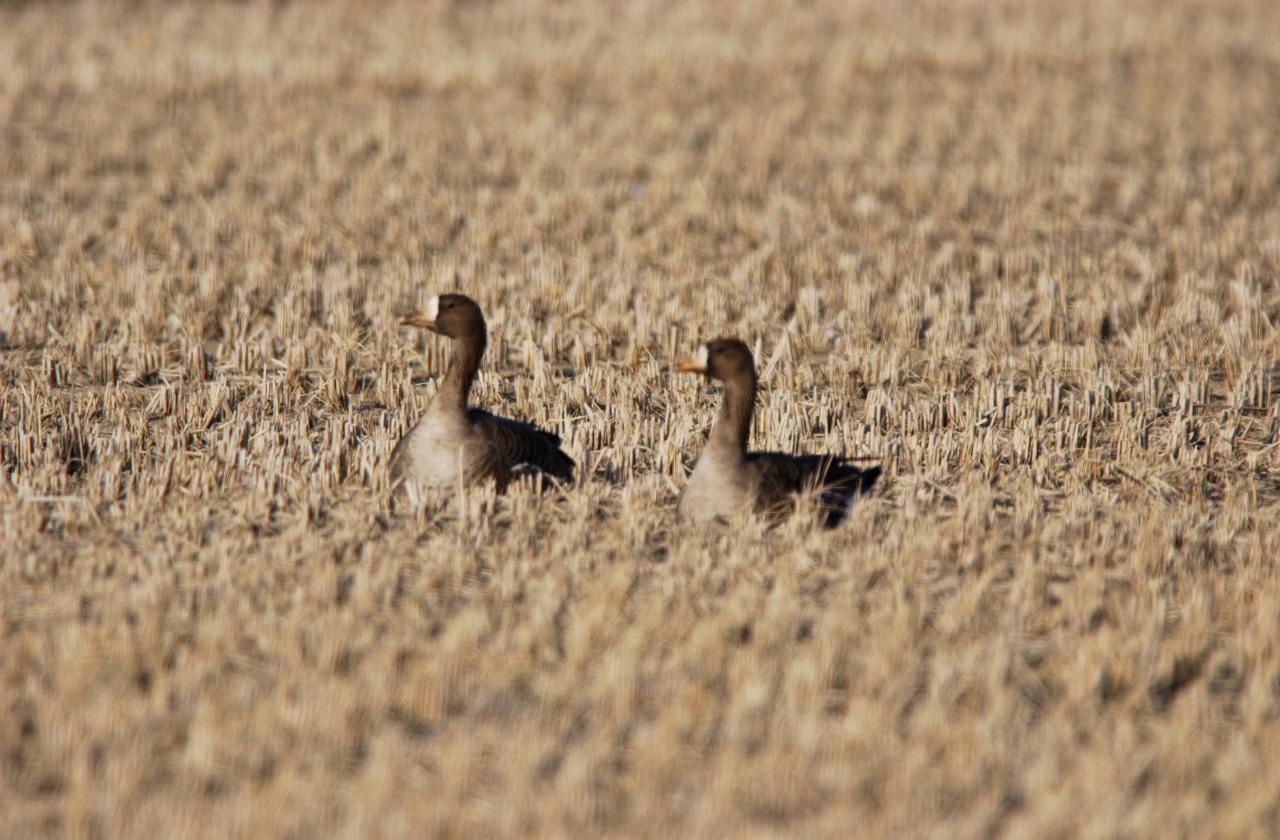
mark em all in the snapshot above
pixel 1024 253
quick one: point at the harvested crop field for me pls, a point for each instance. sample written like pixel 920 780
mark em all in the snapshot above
pixel 1025 255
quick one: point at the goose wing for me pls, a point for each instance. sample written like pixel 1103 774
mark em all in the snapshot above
pixel 503 444
pixel 778 477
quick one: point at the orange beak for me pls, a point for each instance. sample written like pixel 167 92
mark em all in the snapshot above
pixel 417 319
pixel 688 367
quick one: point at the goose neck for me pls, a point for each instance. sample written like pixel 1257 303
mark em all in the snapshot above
pixel 464 361
pixel 733 426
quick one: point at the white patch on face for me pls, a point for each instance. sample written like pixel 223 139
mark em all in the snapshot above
pixel 700 358
pixel 433 308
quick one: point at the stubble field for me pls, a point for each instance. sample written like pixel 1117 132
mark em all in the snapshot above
pixel 1024 254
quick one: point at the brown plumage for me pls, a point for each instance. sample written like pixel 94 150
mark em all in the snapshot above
pixel 728 479
pixel 453 443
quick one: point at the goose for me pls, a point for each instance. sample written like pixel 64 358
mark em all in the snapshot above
pixel 453 442
pixel 728 479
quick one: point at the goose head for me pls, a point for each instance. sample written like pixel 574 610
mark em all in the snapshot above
pixel 451 315
pixel 723 358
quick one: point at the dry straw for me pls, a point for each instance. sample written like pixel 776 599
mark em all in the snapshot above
pixel 1025 254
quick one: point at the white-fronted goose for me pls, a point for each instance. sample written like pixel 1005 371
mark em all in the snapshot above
pixel 727 479
pixel 453 442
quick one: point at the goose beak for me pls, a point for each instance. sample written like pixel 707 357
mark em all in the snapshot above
pixel 425 318
pixel 418 318
pixel 699 362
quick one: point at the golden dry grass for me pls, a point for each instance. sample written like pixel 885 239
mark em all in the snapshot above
pixel 1024 253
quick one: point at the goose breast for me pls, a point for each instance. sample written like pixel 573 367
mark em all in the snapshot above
pixel 719 487
pixel 437 450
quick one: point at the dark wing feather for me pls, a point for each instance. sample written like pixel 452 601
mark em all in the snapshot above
pixel 778 478
pixel 504 444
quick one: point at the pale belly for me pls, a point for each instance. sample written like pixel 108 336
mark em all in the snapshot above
pixel 715 490
pixel 437 455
